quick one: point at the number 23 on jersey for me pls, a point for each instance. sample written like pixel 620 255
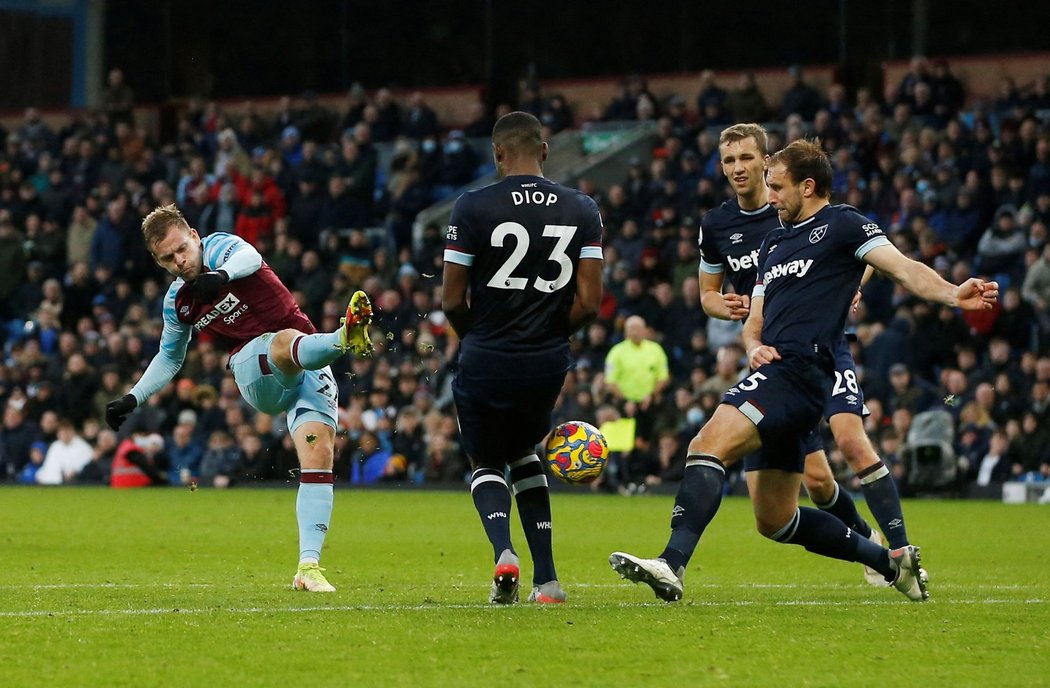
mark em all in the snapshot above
pixel 504 276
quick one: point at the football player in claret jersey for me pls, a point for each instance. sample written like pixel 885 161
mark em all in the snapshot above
pixel 808 273
pixel 278 359
pixel 730 239
pixel 523 271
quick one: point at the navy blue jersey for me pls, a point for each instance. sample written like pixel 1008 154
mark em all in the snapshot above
pixel 808 275
pixel 522 239
pixel 730 239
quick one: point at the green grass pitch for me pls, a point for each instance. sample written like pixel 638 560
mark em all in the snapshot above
pixel 180 588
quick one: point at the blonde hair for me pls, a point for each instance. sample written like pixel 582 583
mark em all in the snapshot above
pixel 739 132
pixel 155 226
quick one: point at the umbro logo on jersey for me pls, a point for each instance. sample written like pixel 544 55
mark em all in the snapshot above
pixel 851 400
pixel 737 238
pixel 817 234
pixel 184 310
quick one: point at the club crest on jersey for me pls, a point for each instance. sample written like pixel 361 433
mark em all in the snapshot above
pixel 817 234
pixel 736 238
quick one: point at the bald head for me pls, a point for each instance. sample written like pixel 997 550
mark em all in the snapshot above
pixel 634 328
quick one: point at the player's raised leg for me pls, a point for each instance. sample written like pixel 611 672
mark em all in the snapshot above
pixel 310 400
pixel 314 444
pixel 724 439
pixel 293 351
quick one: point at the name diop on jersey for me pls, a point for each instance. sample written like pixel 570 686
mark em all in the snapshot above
pixel 798 268
pixel 230 307
pixel 535 197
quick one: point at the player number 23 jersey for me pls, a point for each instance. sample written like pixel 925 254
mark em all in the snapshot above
pixel 522 239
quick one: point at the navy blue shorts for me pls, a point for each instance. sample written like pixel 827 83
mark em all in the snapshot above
pixel 785 400
pixel 500 419
pixel 844 395
pixel 813 442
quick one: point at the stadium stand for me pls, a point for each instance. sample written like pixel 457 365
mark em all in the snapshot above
pixel 350 192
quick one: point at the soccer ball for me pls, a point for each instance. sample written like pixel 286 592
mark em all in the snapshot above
pixel 577 453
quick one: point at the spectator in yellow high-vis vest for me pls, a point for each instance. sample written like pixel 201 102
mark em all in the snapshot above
pixel 636 368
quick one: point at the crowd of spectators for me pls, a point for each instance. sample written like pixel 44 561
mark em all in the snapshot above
pixel 961 185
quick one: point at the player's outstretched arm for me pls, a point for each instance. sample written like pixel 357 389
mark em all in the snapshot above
pixel 588 293
pixel 719 305
pixel 173 341
pixel 454 281
pixel 973 295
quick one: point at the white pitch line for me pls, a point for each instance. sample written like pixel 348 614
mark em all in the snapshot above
pixel 713 586
pixel 102 586
pixel 479 606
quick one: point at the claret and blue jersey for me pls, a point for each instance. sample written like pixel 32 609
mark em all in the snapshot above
pixel 254 302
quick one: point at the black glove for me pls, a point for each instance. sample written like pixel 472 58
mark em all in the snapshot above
pixel 118 409
pixel 208 284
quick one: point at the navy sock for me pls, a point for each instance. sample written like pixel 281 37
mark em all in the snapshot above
pixel 492 500
pixel 824 534
pixel 696 503
pixel 844 509
pixel 529 485
pixel 880 491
